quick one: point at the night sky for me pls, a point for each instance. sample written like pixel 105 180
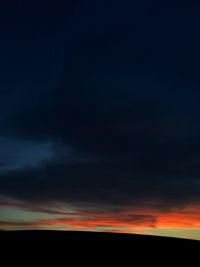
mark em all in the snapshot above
pixel 100 116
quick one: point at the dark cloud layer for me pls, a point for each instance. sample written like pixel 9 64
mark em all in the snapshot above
pixel 121 110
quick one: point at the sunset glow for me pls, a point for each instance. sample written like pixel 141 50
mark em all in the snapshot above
pixel 180 223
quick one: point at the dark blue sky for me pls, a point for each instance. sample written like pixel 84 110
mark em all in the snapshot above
pixel 99 103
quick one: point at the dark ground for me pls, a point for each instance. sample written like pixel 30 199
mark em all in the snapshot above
pixel 81 246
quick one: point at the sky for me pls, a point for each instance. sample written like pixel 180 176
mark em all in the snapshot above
pixel 100 116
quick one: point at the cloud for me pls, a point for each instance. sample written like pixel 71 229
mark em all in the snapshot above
pixel 88 220
pixel 123 118
pixel 20 154
pixel 99 185
pixel 122 220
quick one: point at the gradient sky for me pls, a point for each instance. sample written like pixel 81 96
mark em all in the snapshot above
pixel 100 116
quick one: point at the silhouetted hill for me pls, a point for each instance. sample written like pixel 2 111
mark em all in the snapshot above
pixel 85 244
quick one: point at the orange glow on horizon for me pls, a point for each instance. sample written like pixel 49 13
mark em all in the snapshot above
pixel 127 221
